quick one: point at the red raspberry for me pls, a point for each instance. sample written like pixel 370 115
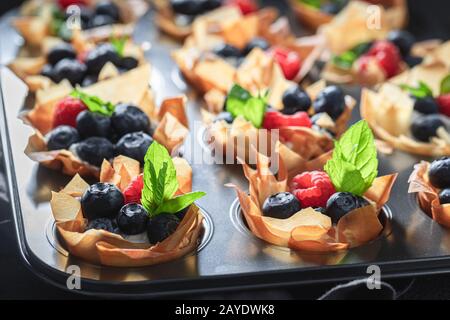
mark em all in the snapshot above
pixel 66 112
pixel 289 62
pixel 276 120
pixel 387 55
pixel 246 6
pixel 133 192
pixel 444 104
pixel 67 3
pixel 312 189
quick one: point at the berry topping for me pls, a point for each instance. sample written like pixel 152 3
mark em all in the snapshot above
pixel 107 8
pixel 62 138
pixel 439 173
pixel 246 6
pixel 70 69
pixel 225 116
pixel 331 8
pixel 94 150
pixel 66 112
pixel 61 51
pixel 102 224
pixel 413 61
pixel 100 20
pixel 281 205
pixel 256 43
pixel 294 100
pixel 89 80
pixel 91 124
pixel 194 7
pixel 387 56
pixel 330 100
pixel 444 104
pixel 133 191
pixel 227 51
pixel 47 71
pixel 289 62
pixel 341 203
pixel 101 200
pixel 444 196
pixel 425 127
pixel 312 189
pixel 403 40
pixel 134 145
pixel 132 219
pixel 161 226
pixel 101 55
pixel 128 63
pixel 427 105
pixel 276 120
pixel 128 118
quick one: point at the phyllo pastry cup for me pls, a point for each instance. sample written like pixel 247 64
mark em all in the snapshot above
pixel 169 120
pixel 110 249
pixel 309 230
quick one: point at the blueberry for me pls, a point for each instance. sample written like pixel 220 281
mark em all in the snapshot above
pixel 425 127
pixel 321 210
pixel 128 63
pixel 107 8
pixel 281 205
pixel 72 70
pixel 225 116
pixel 47 71
pixel 180 214
pixel 211 4
pixel 101 200
pixel 227 51
pixel 331 8
pixel 128 118
pixel 62 137
pixel 134 145
pixel 413 61
pixel 194 7
pixel 161 226
pixel 426 105
pixel 100 20
pixel 132 219
pixel 256 43
pixel 101 55
pixel 330 100
pixel 341 203
pixel 91 124
pixel 439 173
pixel 102 224
pixel 94 150
pixel 444 196
pixel 61 51
pixel 294 100
pixel 403 40
pixel 89 80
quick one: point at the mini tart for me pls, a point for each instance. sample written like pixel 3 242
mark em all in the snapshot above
pixel 35 28
pixel 109 249
pixel 301 147
pixel 394 10
pixel 28 67
pixel 132 87
pixel 427 195
pixel 309 230
pixel 391 103
pixel 227 25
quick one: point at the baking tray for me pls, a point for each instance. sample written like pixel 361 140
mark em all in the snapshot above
pixel 230 257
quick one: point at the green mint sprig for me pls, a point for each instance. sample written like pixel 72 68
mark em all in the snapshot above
pixel 312 3
pixel 422 90
pixel 346 59
pixel 119 44
pixel 161 184
pixel 354 164
pixel 240 102
pixel 94 103
pixel 445 85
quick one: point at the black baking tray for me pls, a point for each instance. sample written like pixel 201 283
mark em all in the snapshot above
pixel 230 257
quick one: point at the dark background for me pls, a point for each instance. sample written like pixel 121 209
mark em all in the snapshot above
pixel 428 19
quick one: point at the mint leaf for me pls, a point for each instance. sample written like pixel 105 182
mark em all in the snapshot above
pixel 312 3
pixel 346 59
pixel 445 85
pixel 94 103
pixel 119 44
pixel 178 203
pixel 421 91
pixel 354 164
pixel 241 103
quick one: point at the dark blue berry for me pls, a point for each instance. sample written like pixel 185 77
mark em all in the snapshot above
pixel 427 105
pixel 102 224
pixel 91 124
pixel 62 137
pixel 330 100
pixel 281 205
pixel 128 118
pixel 161 226
pixel 444 196
pixel 403 40
pixel 295 100
pixel 132 219
pixel 101 55
pixel 227 51
pixel 256 43
pixel 341 203
pixel 61 51
pixel 94 150
pixel 70 69
pixel 101 200
pixel 439 173
pixel 134 145
pixel 425 127
pixel 108 8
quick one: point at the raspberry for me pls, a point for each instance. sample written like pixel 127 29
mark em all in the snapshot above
pixel 444 104
pixel 289 62
pixel 312 189
pixel 246 6
pixel 133 192
pixel 66 112
pixel 387 56
pixel 67 3
pixel 276 120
